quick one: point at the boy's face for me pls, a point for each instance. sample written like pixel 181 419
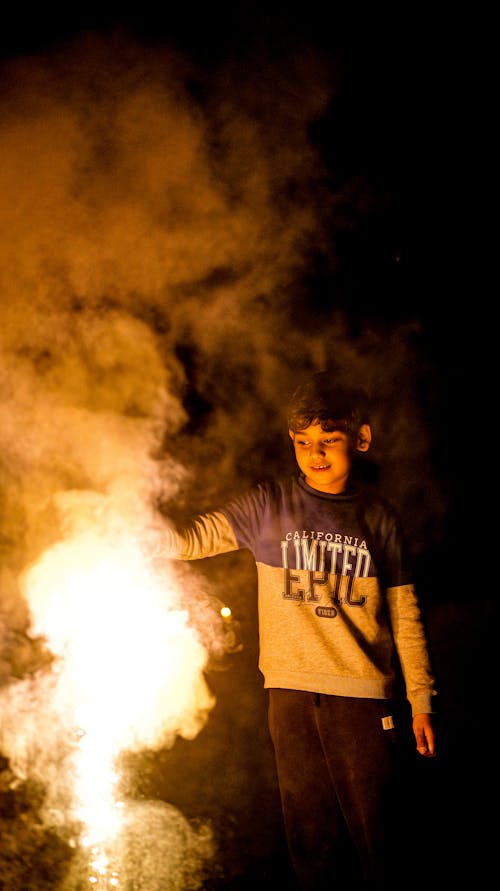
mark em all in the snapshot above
pixel 325 457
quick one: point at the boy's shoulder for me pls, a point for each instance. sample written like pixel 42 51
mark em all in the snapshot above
pixel 372 494
pixel 379 513
pixel 272 487
pixel 265 490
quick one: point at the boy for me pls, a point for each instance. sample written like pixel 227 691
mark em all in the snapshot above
pixel 337 611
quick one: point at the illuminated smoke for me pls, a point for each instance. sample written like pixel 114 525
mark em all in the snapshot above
pixel 156 219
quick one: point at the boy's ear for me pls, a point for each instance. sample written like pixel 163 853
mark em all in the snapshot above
pixel 291 434
pixel 364 438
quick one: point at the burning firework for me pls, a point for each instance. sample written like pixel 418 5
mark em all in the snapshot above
pixel 128 675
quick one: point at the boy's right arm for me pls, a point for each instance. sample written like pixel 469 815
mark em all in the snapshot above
pixel 205 536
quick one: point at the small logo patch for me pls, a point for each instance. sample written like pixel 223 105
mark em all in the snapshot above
pixel 326 612
pixel 388 723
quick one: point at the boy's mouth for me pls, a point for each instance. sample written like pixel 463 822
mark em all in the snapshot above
pixel 320 467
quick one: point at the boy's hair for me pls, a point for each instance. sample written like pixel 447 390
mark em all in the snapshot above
pixel 320 400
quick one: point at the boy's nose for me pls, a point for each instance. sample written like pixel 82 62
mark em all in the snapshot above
pixel 318 449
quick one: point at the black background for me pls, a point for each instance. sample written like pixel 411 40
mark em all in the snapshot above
pixel 406 118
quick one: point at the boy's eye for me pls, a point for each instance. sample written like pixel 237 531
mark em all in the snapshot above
pixel 305 443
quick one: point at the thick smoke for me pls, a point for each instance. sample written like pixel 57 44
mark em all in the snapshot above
pixel 157 219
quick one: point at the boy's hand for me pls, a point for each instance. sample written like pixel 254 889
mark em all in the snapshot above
pixel 159 541
pixel 425 736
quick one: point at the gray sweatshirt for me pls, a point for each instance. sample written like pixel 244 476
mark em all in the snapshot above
pixel 337 607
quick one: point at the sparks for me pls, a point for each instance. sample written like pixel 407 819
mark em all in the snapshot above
pixel 129 670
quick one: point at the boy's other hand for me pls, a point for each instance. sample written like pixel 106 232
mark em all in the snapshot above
pixel 425 737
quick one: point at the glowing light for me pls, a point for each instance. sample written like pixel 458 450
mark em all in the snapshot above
pixel 225 612
pixel 129 673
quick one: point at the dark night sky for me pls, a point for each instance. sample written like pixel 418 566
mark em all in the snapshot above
pixel 399 124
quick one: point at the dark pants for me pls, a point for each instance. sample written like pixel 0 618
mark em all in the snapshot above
pixel 340 780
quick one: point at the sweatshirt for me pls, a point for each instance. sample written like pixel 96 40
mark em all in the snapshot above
pixel 337 608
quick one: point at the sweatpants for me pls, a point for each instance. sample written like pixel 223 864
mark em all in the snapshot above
pixel 341 782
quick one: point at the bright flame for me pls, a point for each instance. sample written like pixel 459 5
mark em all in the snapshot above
pixel 130 669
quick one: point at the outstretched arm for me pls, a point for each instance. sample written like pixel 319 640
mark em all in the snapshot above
pixel 205 536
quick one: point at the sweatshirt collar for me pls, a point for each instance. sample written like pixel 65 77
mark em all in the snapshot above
pixel 347 495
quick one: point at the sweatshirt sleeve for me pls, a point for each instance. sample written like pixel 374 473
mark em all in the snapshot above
pixel 205 536
pixel 406 620
pixel 412 647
